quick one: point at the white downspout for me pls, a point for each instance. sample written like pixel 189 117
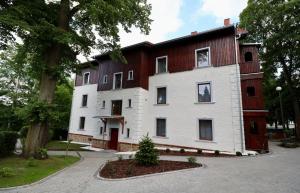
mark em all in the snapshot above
pixel 238 82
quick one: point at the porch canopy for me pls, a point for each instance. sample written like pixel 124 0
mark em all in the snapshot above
pixel 104 119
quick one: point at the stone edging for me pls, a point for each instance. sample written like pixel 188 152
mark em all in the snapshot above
pixel 97 175
pixel 45 178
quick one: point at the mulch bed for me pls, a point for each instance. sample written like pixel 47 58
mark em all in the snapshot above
pixel 177 153
pixel 129 168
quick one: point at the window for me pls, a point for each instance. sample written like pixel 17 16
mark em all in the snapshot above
pixel 103 104
pixel 84 100
pixel 116 107
pixel 161 64
pixel 161 127
pixel 117 81
pixel 129 103
pixel 86 78
pixel 101 130
pixel 205 130
pixel 128 133
pixel 202 57
pixel 253 127
pixel 81 123
pixel 105 79
pixel 250 91
pixel 248 57
pixel 162 95
pixel 204 92
pixel 130 75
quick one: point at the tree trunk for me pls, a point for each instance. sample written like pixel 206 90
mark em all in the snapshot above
pixel 293 95
pixel 37 135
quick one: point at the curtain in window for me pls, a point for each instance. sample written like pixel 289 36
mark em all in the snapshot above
pixel 161 127
pixel 161 65
pixel 161 95
pixel 202 58
pixel 205 129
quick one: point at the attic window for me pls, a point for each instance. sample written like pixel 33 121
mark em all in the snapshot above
pixel 248 57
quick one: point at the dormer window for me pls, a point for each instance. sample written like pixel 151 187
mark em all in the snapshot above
pixel 202 57
pixel 248 57
pixel 161 64
pixel 86 78
pixel 130 75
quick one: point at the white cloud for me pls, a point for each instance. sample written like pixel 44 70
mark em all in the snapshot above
pixel 222 9
pixel 165 16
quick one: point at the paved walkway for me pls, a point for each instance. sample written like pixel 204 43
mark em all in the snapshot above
pixel 275 173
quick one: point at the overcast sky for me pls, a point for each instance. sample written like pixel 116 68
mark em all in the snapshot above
pixel 175 18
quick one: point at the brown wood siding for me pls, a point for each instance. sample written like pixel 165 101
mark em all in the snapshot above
pixel 93 75
pixel 134 62
pixel 252 102
pixel 257 141
pixel 249 67
pixel 181 57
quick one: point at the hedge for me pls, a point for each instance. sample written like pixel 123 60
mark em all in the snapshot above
pixel 8 140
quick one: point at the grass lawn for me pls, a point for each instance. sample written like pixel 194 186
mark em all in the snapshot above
pixel 23 173
pixel 61 146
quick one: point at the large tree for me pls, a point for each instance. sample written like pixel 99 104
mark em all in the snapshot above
pixel 276 24
pixel 54 32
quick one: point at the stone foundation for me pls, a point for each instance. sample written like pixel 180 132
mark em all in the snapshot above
pixel 80 138
pixel 127 147
pixel 98 143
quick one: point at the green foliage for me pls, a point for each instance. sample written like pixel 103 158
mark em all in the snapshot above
pixel 8 141
pixel 217 152
pixel 168 150
pixel 6 172
pixel 238 153
pixel 192 160
pixel 41 154
pixel 31 162
pixel 120 157
pixel 276 24
pixel 146 154
pixel 182 150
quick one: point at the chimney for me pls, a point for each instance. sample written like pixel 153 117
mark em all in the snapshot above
pixel 227 22
pixel 194 33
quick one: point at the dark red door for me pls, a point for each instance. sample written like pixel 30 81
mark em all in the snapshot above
pixel 113 144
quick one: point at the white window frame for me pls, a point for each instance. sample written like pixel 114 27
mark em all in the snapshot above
pixel 104 79
pixel 155 126
pixel 211 92
pixel 156 92
pixel 212 129
pixel 156 64
pixel 114 80
pixel 209 57
pixel 88 82
pixel 130 77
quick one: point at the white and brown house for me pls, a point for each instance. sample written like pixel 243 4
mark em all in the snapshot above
pixel 203 91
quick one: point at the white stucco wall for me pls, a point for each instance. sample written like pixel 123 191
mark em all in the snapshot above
pixel 91 124
pixel 183 112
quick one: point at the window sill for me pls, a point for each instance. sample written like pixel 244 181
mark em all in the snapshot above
pixel 83 107
pixel 160 137
pixel 130 79
pixel 81 130
pixel 161 73
pixel 197 103
pixel 128 107
pixel 205 141
pixel 161 104
pixel 102 107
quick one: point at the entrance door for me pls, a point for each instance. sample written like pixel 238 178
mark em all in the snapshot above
pixel 113 143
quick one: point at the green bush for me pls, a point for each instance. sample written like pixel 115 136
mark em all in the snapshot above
pixel 217 152
pixel 6 172
pixel 120 157
pixel 238 153
pixel 182 150
pixel 41 154
pixel 192 160
pixel 146 154
pixel 8 140
pixel 31 162
pixel 168 150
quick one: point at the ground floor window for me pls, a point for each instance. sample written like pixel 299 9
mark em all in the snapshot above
pixel 128 133
pixel 81 123
pixel 161 127
pixel 253 127
pixel 205 130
